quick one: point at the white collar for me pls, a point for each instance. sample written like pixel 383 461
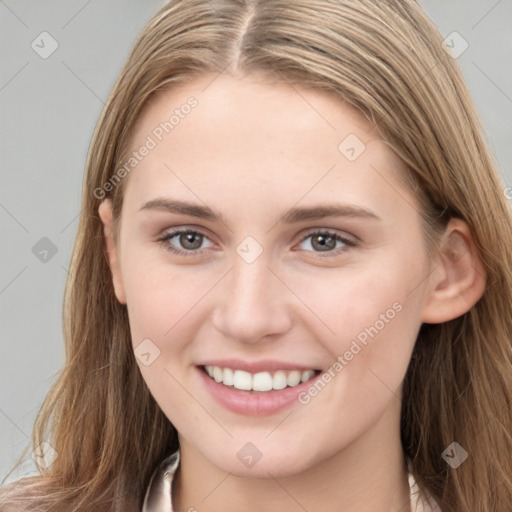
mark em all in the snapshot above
pixel 158 493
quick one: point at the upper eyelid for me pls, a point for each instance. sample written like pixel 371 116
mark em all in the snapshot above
pixel 326 231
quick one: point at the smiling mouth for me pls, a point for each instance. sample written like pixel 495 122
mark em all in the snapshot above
pixel 261 381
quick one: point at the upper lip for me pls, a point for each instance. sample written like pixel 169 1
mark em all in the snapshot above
pixel 264 365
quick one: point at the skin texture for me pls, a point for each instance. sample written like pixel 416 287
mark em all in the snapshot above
pixel 251 150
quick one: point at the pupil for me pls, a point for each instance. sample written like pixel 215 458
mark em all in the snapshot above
pixel 192 239
pixel 326 242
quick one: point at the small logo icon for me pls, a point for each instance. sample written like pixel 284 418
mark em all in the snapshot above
pixel 455 45
pixel 249 249
pixel 44 455
pixel 351 147
pixel 44 250
pixel 249 455
pixel 455 455
pixel 44 45
pixel 146 352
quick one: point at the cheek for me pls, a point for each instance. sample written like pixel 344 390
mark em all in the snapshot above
pixel 161 301
pixel 369 319
pixel 159 295
pixel 347 300
pixel 375 326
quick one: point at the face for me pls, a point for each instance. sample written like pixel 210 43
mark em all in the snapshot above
pixel 266 239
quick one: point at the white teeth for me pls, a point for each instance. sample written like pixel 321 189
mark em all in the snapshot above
pixel 228 375
pixel 279 380
pixel 242 380
pixel 307 375
pixel 293 378
pixel 217 374
pixel 261 381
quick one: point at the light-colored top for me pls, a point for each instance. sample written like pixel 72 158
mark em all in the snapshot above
pixel 158 494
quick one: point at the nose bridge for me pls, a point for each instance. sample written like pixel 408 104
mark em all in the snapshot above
pixel 252 302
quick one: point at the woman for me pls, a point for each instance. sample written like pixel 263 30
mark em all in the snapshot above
pixel 291 283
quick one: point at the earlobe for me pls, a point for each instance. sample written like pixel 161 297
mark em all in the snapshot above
pixel 458 279
pixel 105 213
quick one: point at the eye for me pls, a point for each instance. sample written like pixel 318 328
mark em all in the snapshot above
pixel 325 241
pixel 189 240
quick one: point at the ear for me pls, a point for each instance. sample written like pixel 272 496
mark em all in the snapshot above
pixel 105 213
pixel 458 279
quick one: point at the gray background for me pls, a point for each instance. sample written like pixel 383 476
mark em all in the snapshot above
pixel 49 108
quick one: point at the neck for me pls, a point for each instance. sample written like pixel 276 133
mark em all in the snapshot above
pixel 368 475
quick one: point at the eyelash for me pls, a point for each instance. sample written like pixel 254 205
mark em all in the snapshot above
pixel 332 234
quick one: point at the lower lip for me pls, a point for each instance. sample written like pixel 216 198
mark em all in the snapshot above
pixel 254 403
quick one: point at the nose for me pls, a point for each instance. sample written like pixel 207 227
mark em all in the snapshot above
pixel 252 303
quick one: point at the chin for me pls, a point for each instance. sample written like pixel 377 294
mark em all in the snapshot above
pixel 251 462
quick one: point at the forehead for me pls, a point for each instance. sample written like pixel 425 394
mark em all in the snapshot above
pixel 248 134
pixel 246 105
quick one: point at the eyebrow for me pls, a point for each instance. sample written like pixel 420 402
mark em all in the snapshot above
pixel 173 206
pixel 297 214
pixel 294 215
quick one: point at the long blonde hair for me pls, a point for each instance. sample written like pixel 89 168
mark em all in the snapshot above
pixel 386 59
